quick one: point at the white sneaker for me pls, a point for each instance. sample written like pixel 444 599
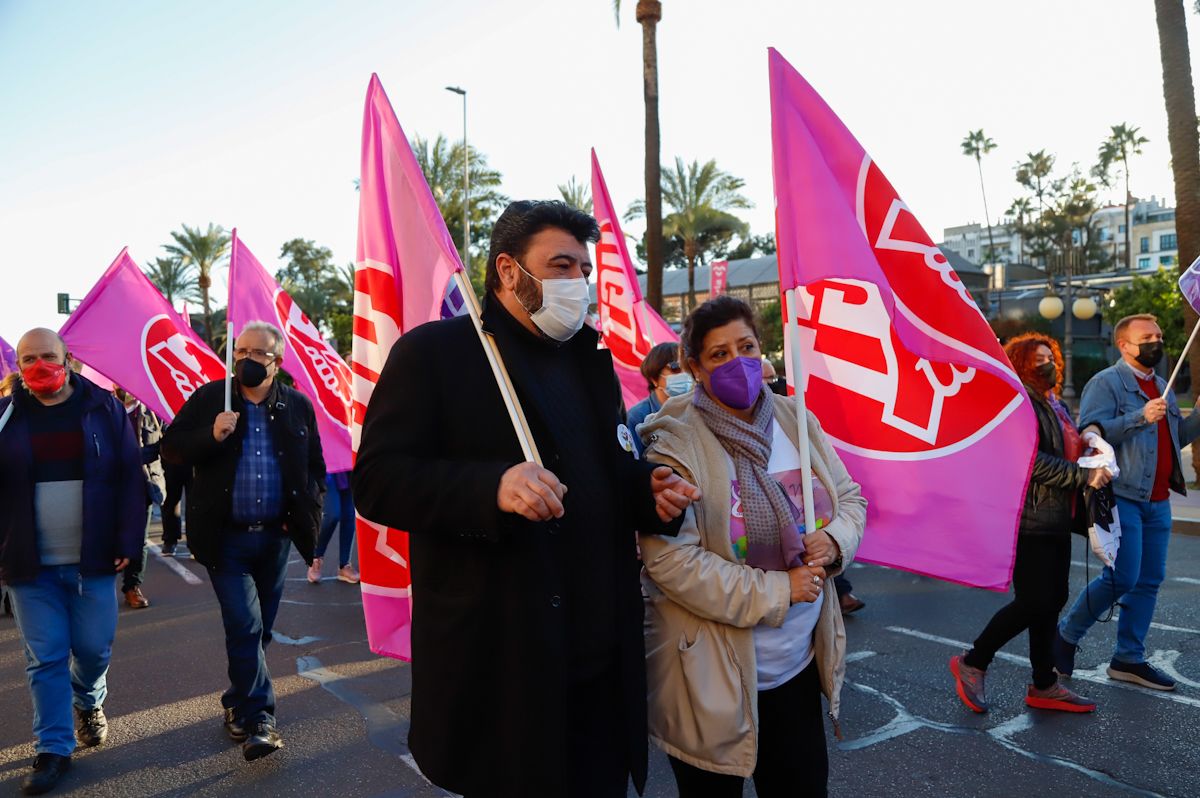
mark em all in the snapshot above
pixel 347 574
pixel 314 570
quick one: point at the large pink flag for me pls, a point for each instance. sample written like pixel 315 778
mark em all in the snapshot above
pixel 402 279
pixel 319 372
pixel 629 327
pixel 8 358
pixel 126 330
pixel 901 368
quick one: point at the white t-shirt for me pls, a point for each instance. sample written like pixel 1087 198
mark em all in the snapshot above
pixel 784 651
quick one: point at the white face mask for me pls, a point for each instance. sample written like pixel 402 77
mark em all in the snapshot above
pixel 679 384
pixel 564 306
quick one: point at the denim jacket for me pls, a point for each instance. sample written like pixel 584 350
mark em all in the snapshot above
pixel 1113 401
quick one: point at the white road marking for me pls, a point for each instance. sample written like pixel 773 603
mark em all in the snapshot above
pixel 175 566
pixel 1165 662
pixel 855 656
pixel 1096 675
pixel 1187 580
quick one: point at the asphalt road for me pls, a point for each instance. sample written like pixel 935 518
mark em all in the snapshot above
pixel 343 711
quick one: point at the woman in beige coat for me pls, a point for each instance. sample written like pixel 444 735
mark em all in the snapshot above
pixel 743 630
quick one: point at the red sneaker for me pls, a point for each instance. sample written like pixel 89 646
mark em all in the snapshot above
pixel 1057 697
pixel 969 683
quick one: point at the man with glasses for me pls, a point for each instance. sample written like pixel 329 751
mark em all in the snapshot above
pixel 258 484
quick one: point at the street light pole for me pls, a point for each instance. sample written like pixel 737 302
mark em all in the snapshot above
pixel 1068 376
pixel 466 182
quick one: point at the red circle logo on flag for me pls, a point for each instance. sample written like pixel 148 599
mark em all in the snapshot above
pixel 328 374
pixel 175 364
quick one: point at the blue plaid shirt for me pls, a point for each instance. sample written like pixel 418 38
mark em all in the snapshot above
pixel 258 485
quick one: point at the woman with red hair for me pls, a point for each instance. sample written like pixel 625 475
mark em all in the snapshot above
pixel 1054 507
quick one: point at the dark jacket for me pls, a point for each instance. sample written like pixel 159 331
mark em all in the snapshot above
pixel 189 440
pixel 1055 483
pixel 149 429
pixel 114 503
pixel 490 637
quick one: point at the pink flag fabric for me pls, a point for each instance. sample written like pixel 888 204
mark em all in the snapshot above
pixel 8 358
pixel 629 327
pixel 718 277
pixel 319 372
pixel 126 330
pixel 102 382
pixel 402 279
pixel 900 366
pixel 1189 284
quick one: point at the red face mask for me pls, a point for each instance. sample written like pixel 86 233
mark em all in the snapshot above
pixel 44 378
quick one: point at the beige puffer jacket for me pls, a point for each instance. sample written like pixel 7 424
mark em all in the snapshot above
pixel 703 604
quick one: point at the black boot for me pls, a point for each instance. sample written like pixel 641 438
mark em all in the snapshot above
pixel 263 740
pixel 92 726
pixel 234 727
pixel 48 769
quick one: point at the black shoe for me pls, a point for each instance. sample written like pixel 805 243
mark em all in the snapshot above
pixel 48 769
pixel 1064 655
pixel 168 549
pixel 1141 673
pixel 92 726
pixel 264 740
pixel 234 728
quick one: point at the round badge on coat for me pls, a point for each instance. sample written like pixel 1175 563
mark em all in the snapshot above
pixel 625 438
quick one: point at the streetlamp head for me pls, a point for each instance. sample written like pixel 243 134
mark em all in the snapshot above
pixel 457 90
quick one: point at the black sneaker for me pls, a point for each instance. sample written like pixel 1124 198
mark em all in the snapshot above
pixel 234 728
pixel 1140 673
pixel 263 741
pixel 92 726
pixel 48 769
pixel 1064 655
pixel 168 549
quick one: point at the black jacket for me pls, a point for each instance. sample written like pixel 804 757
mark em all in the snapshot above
pixel 490 635
pixel 189 440
pixel 1055 483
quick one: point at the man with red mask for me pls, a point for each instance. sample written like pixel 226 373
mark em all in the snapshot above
pixel 65 445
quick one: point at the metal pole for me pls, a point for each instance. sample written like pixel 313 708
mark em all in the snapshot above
pixel 1068 376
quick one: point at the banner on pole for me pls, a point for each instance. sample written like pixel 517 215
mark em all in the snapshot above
pixel 718 276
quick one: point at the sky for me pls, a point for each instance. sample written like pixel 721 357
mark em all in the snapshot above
pixel 122 121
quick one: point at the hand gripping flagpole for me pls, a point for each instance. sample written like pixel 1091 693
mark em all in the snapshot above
pixel 515 413
pixel 796 369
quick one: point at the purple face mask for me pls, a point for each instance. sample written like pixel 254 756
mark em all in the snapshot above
pixel 737 383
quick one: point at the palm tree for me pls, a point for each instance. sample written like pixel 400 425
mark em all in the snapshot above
pixel 1020 210
pixel 441 162
pixel 1034 174
pixel 976 145
pixel 576 194
pixel 700 197
pixel 648 14
pixel 204 251
pixel 173 277
pixel 1122 142
pixel 1180 98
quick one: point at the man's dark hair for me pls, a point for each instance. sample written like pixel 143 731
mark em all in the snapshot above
pixel 713 314
pixel 524 219
pixel 657 360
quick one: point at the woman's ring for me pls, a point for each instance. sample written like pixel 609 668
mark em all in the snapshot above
pixel 816 579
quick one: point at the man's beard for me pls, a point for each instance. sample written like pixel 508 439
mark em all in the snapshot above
pixel 528 293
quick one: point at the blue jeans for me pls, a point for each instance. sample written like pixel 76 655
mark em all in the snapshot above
pixel 248 582
pixel 1140 568
pixel 68 622
pixel 339 510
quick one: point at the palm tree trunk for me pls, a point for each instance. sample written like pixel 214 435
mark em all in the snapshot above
pixel 208 317
pixel 1128 229
pixel 692 282
pixel 987 217
pixel 649 12
pixel 1179 95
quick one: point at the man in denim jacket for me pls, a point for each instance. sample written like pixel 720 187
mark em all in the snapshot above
pixel 1125 404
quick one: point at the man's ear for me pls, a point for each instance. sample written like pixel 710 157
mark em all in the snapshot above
pixel 506 270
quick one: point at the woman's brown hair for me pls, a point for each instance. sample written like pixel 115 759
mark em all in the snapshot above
pixel 1022 350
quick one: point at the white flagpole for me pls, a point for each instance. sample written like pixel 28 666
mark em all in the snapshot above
pixel 1183 357
pixel 796 371
pixel 647 330
pixel 228 366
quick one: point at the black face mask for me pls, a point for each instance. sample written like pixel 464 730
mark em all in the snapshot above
pixel 1047 373
pixel 1150 353
pixel 250 373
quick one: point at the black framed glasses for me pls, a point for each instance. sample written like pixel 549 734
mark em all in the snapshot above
pixel 258 354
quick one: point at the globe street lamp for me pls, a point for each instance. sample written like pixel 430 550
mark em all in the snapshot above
pixel 466 182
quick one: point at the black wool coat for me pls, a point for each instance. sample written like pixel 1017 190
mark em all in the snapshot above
pixel 490 636
pixel 189 441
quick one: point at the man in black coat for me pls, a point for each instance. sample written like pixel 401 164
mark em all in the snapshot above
pixel 257 488
pixel 528 657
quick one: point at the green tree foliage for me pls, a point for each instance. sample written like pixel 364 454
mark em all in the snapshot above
pixel 576 194
pixel 324 291
pixel 202 250
pixel 173 277
pixel 1156 293
pixel 976 145
pixel 1122 142
pixel 770 331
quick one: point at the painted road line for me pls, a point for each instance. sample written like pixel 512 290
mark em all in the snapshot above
pixel 1096 675
pixel 1187 580
pixel 279 637
pixel 175 566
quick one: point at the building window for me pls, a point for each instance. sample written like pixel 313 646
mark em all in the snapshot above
pixel 1105 233
pixel 1167 260
pixel 970 253
pixel 1144 244
pixel 1143 263
pixel 1168 241
pixel 1120 228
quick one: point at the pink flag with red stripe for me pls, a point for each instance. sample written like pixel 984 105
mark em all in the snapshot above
pixel 629 327
pixel 405 262
pixel 126 330
pixel 900 366
pixel 318 371
pixel 8 358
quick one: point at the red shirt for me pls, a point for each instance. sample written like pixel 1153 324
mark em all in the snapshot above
pixel 1166 454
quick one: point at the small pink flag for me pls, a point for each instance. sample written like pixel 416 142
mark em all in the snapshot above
pixel 8 358
pixel 718 277
pixel 126 329
pixel 629 327
pixel 402 279
pixel 904 373
pixel 1189 284
pixel 318 371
